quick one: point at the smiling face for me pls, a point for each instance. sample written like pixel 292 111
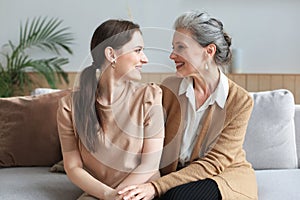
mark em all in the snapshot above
pixel 130 59
pixel 187 54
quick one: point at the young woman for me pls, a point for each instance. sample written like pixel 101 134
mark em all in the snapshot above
pixel 111 128
pixel 207 117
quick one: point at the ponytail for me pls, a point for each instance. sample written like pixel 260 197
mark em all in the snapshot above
pixel 86 119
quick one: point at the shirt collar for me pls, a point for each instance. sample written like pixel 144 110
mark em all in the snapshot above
pixel 186 85
pixel 219 95
pixel 221 92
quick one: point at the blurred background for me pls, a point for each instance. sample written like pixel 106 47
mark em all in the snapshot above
pixel 265 34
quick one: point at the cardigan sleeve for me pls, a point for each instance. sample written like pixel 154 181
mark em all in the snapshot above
pixel 223 154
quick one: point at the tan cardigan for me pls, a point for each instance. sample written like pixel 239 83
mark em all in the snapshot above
pixel 219 144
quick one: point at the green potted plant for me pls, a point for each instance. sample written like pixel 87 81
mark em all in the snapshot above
pixel 45 34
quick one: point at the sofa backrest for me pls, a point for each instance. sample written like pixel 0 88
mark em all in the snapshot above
pixel 276 100
pixel 297 131
pixel 270 141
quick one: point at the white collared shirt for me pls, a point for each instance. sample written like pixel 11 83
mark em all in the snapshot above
pixel 195 117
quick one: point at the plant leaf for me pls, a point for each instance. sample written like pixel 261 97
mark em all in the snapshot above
pixel 45 34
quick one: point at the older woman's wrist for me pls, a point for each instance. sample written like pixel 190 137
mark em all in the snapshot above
pixel 154 189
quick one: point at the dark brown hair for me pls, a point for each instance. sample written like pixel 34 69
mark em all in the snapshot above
pixel 113 33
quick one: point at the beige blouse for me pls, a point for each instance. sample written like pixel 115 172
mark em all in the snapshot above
pixel 136 116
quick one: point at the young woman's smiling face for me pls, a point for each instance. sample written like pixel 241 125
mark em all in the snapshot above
pixel 131 58
pixel 187 54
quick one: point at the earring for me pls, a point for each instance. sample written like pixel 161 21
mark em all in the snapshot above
pixel 113 63
pixel 206 66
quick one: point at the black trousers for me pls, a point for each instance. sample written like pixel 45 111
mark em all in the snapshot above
pixel 199 190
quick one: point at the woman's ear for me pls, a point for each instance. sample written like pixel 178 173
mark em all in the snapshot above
pixel 211 49
pixel 110 54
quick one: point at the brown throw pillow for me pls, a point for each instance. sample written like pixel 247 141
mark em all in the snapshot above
pixel 28 130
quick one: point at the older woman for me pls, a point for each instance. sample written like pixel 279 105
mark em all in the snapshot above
pixel 207 117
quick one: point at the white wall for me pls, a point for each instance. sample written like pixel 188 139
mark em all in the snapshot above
pixel 266 32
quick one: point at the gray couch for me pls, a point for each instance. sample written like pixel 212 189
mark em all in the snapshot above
pixel 272 144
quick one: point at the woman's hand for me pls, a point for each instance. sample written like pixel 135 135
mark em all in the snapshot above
pixel 112 195
pixel 144 191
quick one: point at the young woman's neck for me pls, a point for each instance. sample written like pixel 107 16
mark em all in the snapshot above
pixel 110 89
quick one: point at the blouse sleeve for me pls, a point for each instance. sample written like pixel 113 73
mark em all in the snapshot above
pixel 66 131
pixel 154 117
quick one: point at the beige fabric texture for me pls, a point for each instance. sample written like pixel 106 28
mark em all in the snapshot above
pixel 137 115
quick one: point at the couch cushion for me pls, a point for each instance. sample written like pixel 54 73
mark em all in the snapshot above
pixel 29 183
pixel 28 130
pixel 278 184
pixel 270 139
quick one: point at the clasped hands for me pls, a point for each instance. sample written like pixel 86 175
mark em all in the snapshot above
pixel 144 191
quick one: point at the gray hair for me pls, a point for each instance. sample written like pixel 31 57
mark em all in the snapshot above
pixel 207 30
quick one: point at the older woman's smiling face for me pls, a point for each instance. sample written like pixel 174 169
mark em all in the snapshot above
pixel 187 54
